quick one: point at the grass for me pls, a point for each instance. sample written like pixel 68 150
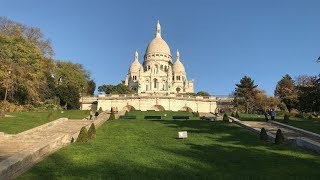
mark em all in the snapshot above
pixel 149 149
pixel 307 124
pixel 22 121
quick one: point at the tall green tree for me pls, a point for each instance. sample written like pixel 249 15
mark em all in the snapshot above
pixel 287 92
pixel 91 87
pixel 244 94
pixel 69 73
pixel 69 96
pixel 309 96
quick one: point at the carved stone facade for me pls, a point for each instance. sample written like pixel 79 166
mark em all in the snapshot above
pixel 158 74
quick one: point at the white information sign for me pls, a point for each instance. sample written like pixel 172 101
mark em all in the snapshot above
pixel 183 134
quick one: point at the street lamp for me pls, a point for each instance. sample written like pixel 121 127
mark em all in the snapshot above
pixel 82 88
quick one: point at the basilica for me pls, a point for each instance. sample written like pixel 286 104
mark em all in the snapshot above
pixel 158 74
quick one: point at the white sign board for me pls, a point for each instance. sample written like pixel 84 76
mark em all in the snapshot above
pixel 182 134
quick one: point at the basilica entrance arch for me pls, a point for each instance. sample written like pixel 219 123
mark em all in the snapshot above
pixel 186 108
pixel 128 108
pixel 157 108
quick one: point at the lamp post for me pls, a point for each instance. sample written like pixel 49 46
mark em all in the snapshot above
pixel 82 88
pixel 9 71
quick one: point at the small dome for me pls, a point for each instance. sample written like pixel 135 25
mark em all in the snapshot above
pixel 178 66
pixel 135 66
pixel 158 45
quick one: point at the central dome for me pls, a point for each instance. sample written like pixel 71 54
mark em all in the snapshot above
pixel 158 45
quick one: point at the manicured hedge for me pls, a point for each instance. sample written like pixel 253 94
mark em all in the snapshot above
pixel 128 117
pixel 152 117
pixel 180 117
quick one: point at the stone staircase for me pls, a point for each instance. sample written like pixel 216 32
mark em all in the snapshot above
pixel 19 152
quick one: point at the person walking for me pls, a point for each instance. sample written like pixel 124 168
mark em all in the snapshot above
pixel 96 115
pixel 91 114
pixel 272 114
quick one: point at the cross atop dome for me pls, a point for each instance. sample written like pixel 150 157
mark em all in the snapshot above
pixel 158 33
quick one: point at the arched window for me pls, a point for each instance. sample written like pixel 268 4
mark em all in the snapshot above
pixel 148 67
pixel 161 67
pixel 155 83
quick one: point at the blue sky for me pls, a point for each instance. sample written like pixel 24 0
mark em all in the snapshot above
pixel 220 41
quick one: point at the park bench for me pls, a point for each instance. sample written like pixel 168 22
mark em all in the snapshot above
pixel 128 117
pixel 152 117
pixel 180 117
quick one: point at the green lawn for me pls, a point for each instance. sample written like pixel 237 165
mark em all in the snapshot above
pixel 307 124
pixel 149 149
pixel 22 121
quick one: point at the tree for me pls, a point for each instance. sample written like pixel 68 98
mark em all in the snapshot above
pixel 309 96
pixel 69 96
pixel 28 68
pixel 286 92
pixel 262 102
pixel 71 73
pixel 244 93
pixel 91 87
pixel 202 93
pixel 32 34
pixel 116 89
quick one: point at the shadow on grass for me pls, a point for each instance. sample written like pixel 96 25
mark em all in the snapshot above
pixel 213 150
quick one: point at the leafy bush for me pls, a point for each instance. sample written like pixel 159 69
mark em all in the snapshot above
pixel 286 118
pixel 263 134
pixel 300 115
pixel 72 140
pixel 92 131
pixel 225 117
pixel 196 114
pixel 294 112
pixel 83 135
pixel 112 116
pixel 237 115
pixel 279 137
pixel 310 117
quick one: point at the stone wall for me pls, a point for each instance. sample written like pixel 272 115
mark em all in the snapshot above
pixel 153 102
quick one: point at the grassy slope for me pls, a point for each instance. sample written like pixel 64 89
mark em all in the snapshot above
pixel 310 125
pixel 26 120
pixel 144 149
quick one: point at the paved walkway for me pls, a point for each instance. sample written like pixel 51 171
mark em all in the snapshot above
pixel 272 128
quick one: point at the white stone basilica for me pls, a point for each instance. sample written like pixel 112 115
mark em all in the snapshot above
pixel 158 74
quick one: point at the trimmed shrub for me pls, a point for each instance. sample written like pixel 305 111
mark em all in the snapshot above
pixel 263 134
pixel 112 116
pixel 232 114
pixel 225 118
pixel 100 110
pixel 126 113
pixel 310 117
pixel 237 115
pixel 286 118
pixel 72 140
pixel 50 116
pixel 83 135
pixel 92 132
pixel 279 137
